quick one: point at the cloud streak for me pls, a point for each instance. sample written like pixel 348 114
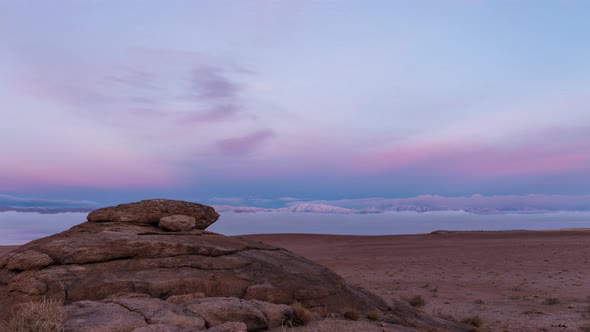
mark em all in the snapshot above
pixel 22 202
pixel 245 144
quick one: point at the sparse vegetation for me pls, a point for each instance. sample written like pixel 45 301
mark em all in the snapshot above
pixel 323 311
pixel 532 312
pixel 474 321
pixel 585 328
pixel 551 301
pixel 351 313
pixel 374 315
pixel 46 316
pixel 417 301
pixel 300 316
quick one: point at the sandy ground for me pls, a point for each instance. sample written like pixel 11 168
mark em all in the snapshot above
pixel 6 249
pixel 514 281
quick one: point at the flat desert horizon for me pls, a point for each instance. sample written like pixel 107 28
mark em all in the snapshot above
pixel 22 227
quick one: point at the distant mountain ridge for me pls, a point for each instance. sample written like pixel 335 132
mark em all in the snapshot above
pixel 475 204
pixel 316 208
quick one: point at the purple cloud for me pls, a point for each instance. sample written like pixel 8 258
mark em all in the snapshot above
pixel 127 92
pixel 214 114
pixel 211 83
pixel 245 144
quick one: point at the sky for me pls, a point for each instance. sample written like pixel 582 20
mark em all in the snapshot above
pixel 270 102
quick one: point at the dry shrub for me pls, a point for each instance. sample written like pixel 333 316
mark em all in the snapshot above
pixel 585 328
pixel 374 315
pixel 417 301
pixel 300 316
pixel 551 301
pixel 323 311
pixel 475 321
pixel 351 313
pixel 45 316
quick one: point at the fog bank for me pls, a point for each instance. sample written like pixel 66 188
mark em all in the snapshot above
pixel 19 228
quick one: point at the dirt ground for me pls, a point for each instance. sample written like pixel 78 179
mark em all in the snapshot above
pixel 514 281
pixel 6 249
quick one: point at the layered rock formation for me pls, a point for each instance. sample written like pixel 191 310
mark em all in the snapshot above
pixel 151 266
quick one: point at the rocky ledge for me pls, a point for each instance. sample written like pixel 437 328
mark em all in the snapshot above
pixel 152 266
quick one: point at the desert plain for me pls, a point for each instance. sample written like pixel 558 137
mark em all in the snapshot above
pixel 511 280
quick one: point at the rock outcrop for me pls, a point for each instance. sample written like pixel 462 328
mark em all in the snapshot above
pixel 151 211
pixel 151 266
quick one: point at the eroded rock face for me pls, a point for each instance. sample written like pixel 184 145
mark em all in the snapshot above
pixel 130 274
pixel 151 211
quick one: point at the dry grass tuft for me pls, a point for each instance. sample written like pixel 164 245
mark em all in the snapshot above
pixel 585 328
pixel 46 316
pixel 475 321
pixel 351 313
pixel 323 311
pixel 374 315
pixel 300 316
pixel 551 301
pixel 417 301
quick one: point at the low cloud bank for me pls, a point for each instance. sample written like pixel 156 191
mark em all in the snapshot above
pixel 477 204
pixel 19 228
pixel 13 203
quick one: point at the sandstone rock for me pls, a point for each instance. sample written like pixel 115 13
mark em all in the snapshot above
pixel 151 211
pixel 121 272
pixel 28 260
pixel 217 311
pixel 90 316
pixel 178 223
pixel 276 314
pixel 158 312
pixel 269 293
pixel 179 299
pixel 229 327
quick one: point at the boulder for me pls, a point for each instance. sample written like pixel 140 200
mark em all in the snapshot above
pixel 158 312
pixel 276 314
pixel 28 260
pixel 151 211
pixel 217 311
pixel 91 316
pixel 178 223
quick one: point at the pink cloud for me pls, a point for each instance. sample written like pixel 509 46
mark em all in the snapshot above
pixel 102 169
pixel 560 152
pixel 527 160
